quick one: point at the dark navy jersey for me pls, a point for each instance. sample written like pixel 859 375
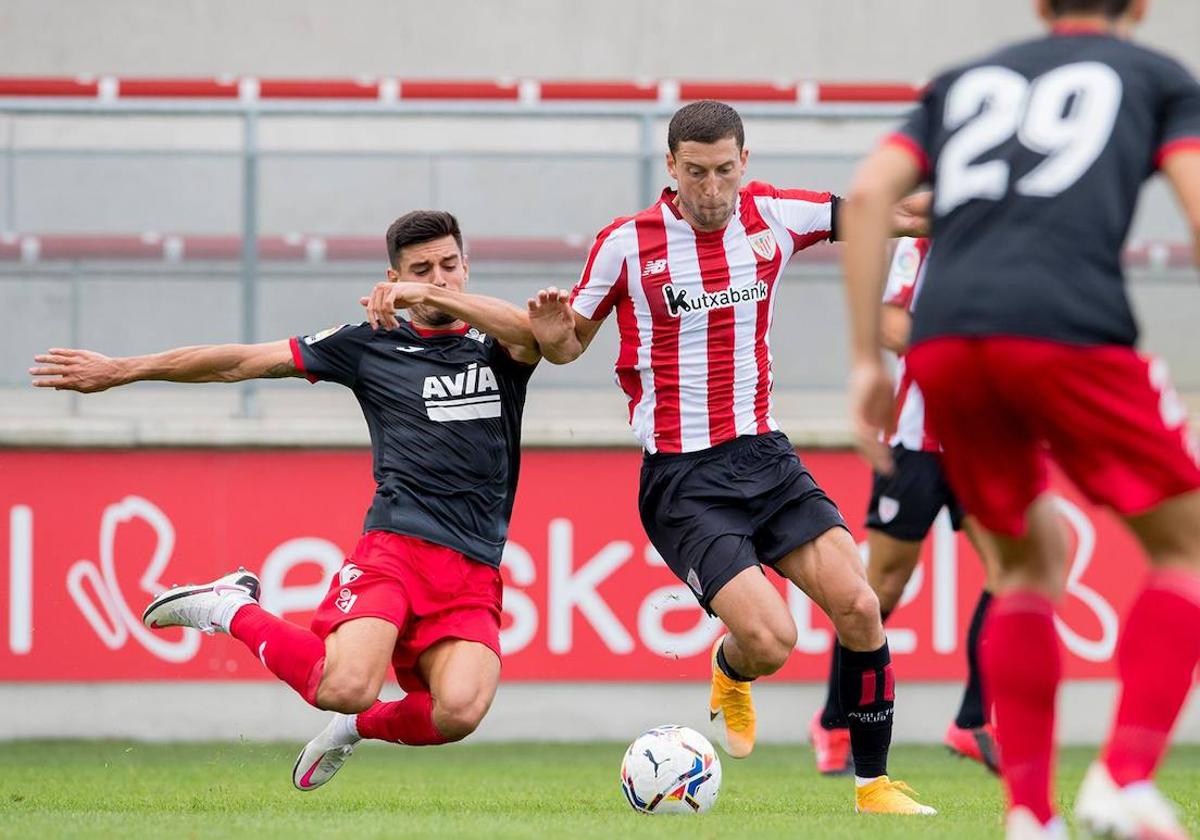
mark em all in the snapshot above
pixel 1036 154
pixel 444 412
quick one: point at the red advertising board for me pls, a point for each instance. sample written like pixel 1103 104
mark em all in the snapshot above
pixel 87 537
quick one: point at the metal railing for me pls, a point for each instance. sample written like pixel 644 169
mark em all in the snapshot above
pixel 641 160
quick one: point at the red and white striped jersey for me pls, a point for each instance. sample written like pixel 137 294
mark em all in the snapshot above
pixel 694 311
pixel 903 285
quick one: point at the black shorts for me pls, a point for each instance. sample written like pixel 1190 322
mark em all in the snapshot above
pixel 713 513
pixel 905 503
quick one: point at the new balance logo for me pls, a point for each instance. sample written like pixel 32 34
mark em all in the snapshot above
pixel 653 267
pixel 680 301
pixel 471 394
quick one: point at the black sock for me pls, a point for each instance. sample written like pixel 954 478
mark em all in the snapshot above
pixel 868 693
pixel 970 713
pixel 831 715
pixel 727 669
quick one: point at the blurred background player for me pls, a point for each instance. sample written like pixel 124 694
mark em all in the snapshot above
pixel 902 509
pixel 722 494
pixel 442 394
pixel 1024 342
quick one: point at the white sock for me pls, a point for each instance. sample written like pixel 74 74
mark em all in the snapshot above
pixel 227 609
pixel 346 728
pixel 859 781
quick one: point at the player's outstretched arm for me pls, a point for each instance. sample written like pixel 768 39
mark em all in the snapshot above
pixel 1183 171
pixel 887 175
pixel 500 319
pixel 562 333
pixel 86 371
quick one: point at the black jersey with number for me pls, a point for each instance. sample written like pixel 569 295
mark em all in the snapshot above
pixel 1036 154
pixel 444 412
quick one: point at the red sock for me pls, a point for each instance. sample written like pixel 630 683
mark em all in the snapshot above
pixel 1158 655
pixel 1021 669
pixel 408 721
pixel 295 655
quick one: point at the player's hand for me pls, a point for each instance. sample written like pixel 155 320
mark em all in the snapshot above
pixel 64 369
pixel 387 298
pixel 550 315
pixel 872 413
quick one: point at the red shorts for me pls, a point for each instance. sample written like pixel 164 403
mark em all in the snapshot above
pixel 428 591
pixel 1107 415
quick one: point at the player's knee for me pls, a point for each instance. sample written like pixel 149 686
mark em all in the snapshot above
pixel 857 617
pixel 458 717
pixel 767 648
pixel 347 693
pixel 888 592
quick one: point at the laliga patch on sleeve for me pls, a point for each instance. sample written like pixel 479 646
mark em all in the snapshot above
pixel 315 337
pixel 908 262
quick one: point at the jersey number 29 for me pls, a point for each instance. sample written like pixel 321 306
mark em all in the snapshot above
pixel 1066 114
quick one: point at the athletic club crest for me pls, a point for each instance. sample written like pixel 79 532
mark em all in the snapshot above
pixel 764 244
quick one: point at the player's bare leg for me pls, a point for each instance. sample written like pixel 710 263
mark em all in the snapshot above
pixel 828 570
pixel 890 566
pixel 1160 647
pixel 1022 662
pixel 760 639
pixel 357 657
pixel 462 677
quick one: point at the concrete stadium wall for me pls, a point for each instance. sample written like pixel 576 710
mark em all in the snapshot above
pixel 522 711
pixel 758 39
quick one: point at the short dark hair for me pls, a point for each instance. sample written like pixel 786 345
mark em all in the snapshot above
pixel 417 227
pixel 705 121
pixel 1108 8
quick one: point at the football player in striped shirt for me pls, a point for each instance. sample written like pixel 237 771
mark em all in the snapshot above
pixel 692 280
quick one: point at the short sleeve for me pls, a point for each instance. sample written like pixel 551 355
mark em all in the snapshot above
pixel 915 134
pixel 605 277
pixel 1179 129
pixel 904 271
pixel 332 355
pixel 807 215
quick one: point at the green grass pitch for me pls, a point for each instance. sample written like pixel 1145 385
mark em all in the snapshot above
pixel 131 790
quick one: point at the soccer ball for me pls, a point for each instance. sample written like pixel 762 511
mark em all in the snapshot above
pixel 671 770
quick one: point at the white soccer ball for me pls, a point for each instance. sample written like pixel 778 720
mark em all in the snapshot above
pixel 671 770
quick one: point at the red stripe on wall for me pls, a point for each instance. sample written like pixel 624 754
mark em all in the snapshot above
pixel 625 91
pixel 184 88
pixel 737 91
pixel 425 89
pixel 317 89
